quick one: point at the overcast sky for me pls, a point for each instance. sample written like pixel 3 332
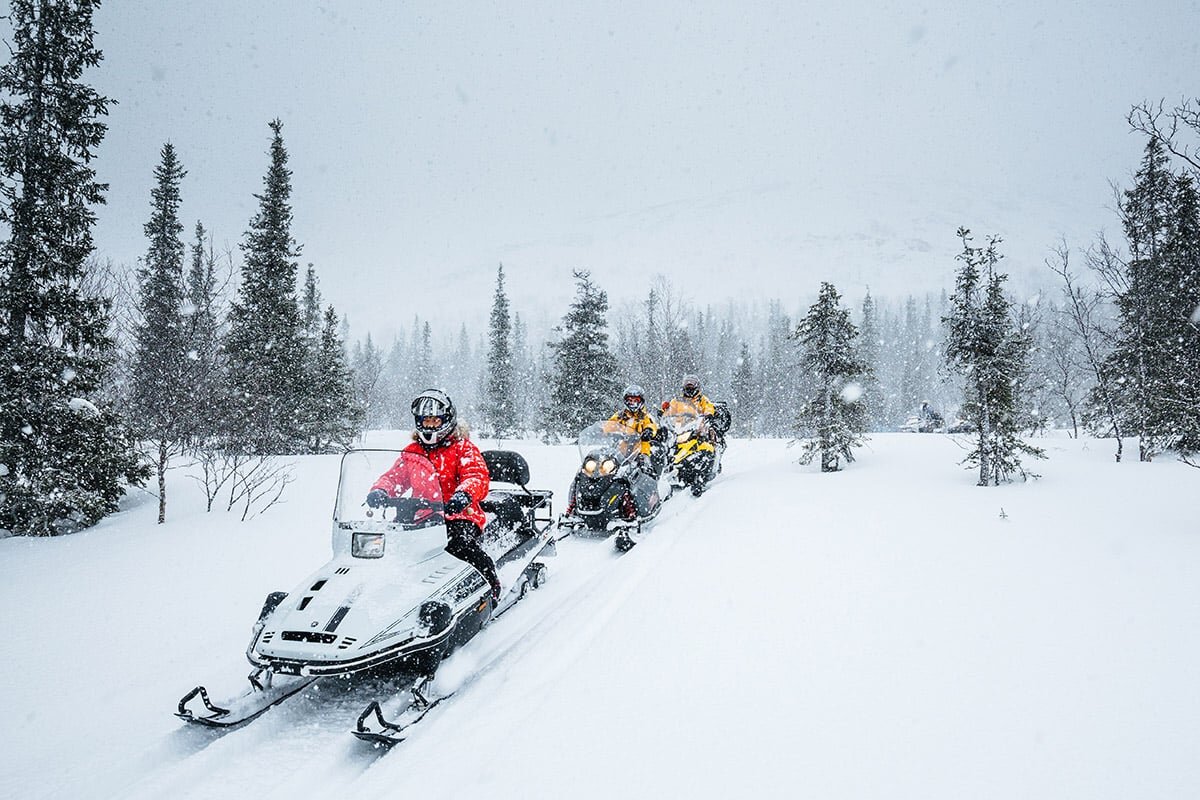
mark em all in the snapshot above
pixel 744 149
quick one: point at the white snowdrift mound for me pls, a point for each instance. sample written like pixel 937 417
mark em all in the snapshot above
pixel 882 632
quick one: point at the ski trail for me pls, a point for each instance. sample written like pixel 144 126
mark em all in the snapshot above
pixel 587 590
pixel 595 598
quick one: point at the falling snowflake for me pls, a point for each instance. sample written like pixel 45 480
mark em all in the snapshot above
pixel 852 392
pixel 68 375
pixel 82 406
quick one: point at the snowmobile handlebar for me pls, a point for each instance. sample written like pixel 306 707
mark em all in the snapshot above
pixel 406 508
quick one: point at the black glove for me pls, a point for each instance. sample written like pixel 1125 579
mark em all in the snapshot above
pixel 377 498
pixel 647 434
pixel 457 502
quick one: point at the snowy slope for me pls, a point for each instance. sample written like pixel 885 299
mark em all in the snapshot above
pixel 883 632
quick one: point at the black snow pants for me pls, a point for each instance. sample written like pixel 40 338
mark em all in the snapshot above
pixel 463 543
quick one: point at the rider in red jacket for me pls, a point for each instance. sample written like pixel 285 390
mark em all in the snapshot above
pixel 462 473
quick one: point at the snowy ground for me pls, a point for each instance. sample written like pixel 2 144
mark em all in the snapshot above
pixel 883 632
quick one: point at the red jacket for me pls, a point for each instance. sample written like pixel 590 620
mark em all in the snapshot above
pixel 459 466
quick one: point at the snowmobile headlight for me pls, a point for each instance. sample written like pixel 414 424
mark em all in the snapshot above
pixel 608 467
pixel 589 466
pixel 367 545
pixel 683 436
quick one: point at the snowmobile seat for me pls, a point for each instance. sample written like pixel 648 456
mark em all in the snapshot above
pixel 507 466
pixel 721 418
pixel 505 507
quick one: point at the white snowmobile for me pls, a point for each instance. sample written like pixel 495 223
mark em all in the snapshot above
pixel 391 596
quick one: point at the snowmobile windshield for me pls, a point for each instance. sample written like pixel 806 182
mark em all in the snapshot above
pixel 412 494
pixel 617 438
pixel 684 423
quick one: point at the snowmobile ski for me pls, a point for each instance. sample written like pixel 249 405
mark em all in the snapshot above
pixel 530 574
pixel 373 727
pixel 265 691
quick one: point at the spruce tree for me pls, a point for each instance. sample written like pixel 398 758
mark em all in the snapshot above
pixel 745 395
pixel 983 343
pixel 499 402
pixel 779 377
pixel 526 386
pixel 832 417
pixel 264 344
pixel 310 307
pixel 1133 365
pixel 1150 373
pixel 868 351
pixel 583 383
pixel 207 398
pixel 64 456
pixel 1181 359
pixel 336 416
pixel 161 374
pixel 367 368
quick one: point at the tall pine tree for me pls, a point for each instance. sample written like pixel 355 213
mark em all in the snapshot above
pixel 832 417
pixel 1152 365
pixel 335 415
pixel 868 351
pixel 206 396
pixel 583 383
pixel 499 403
pixel 983 343
pixel 64 459
pixel 161 375
pixel 264 344
pixel 745 395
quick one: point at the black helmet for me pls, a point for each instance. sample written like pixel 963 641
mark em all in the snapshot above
pixel 691 385
pixel 433 416
pixel 635 398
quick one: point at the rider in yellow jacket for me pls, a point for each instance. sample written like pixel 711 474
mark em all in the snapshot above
pixel 634 417
pixel 690 400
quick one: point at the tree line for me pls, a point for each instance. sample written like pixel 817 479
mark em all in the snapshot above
pixel 229 367
pixel 89 406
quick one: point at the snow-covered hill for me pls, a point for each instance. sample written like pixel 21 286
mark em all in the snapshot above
pixel 890 631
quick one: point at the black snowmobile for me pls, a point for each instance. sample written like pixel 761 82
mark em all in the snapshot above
pixel 614 491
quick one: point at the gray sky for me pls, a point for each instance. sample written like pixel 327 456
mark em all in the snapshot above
pixel 745 150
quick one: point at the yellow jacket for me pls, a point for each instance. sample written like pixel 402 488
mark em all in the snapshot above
pixel 636 422
pixel 701 406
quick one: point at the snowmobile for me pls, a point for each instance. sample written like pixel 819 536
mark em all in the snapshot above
pixel 926 420
pixel 696 458
pixel 391 597
pixel 613 490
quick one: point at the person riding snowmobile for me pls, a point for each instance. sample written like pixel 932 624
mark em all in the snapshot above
pixel 690 400
pixel 635 417
pixel 462 472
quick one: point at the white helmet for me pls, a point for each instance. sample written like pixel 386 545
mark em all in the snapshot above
pixel 635 398
pixel 433 416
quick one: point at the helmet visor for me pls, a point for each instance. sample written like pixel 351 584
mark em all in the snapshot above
pixel 426 406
